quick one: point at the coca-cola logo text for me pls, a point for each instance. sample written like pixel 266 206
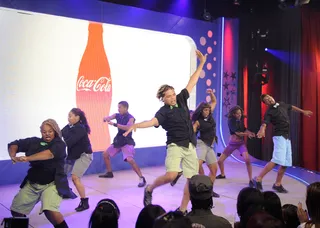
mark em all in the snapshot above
pixel 103 84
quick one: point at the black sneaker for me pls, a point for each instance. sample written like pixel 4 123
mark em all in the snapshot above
pixel 221 177
pixel 142 182
pixel 83 205
pixel 176 179
pixel 251 184
pixel 215 195
pixel 147 198
pixel 107 175
pixel 279 189
pixel 184 213
pixel 257 184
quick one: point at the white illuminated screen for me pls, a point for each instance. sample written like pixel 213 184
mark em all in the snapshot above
pixel 39 63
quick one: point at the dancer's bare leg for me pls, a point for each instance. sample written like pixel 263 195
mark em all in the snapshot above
pixel 246 157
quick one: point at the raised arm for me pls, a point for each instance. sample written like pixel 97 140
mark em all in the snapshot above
pixel 304 112
pixel 109 118
pixel 145 124
pixel 194 78
pixel 213 99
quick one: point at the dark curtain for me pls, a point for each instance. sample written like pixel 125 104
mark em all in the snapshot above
pixel 310 86
pixel 284 66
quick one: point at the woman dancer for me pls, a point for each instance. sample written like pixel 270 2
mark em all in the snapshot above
pixel 46 180
pixel 204 123
pixel 236 142
pixel 79 157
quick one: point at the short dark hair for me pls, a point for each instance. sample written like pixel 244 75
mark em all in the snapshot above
pixel 124 104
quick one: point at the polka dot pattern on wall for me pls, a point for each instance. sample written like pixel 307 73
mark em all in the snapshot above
pixel 202 74
pixel 209 50
pixel 203 41
pixel 209 66
pixel 208 42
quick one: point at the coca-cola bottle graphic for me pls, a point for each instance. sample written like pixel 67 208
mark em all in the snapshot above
pixel 94 87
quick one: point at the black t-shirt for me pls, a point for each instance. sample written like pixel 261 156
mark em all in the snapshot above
pixel 176 121
pixel 236 125
pixel 278 116
pixel 42 172
pixel 207 219
pixel 77 140
pixel 207 130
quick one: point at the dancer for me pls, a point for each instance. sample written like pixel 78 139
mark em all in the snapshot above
pixel 277 114
pixel 205 124
pixel 181 141
pixel 236 142
pixel 46 180
pixel 122 143
pixel 79 158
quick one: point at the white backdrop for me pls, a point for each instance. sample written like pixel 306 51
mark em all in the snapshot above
pixel 39 61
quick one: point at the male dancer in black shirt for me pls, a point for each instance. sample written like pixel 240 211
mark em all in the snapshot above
pixel 174 117
pixel 277 114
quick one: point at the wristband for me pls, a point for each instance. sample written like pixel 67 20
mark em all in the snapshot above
pixel 115 125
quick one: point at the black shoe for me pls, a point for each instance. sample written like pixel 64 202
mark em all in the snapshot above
pixel 220 177
pixel 215 195
pixel 142 182
pixel 83 205
pixel 251 184
pixel 257 184
pixel 184 213
pixel 173 183
pixel 279 189
pixel 107 175
pixel 147 198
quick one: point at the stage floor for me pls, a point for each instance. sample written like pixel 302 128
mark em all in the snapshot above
pixel 123 189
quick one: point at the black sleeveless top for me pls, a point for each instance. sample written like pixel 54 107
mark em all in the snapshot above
pixel 207 130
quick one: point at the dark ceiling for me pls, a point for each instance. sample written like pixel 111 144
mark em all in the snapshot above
pixel 217 8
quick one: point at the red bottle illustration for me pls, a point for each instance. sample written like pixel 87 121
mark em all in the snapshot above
pixel 94 87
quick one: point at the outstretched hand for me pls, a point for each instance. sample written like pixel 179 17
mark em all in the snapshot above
pixel 251 135
pixel 307 113
pixel 110 123
pixel 261 134
pixel 132 128
pixel 201 57
pixel 19 159
pixel 106 119
pixel 209 91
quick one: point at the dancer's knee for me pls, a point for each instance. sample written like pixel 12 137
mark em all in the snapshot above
pixel 75 178
pixel 130 160
pixel 106 154
pixel 170 176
